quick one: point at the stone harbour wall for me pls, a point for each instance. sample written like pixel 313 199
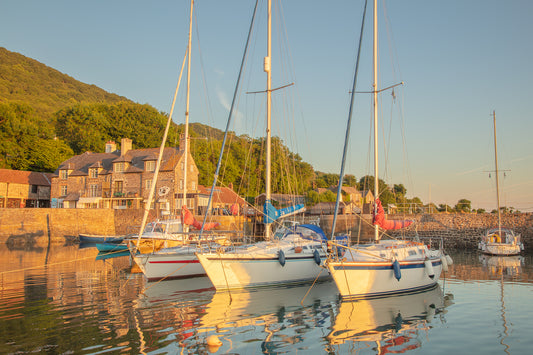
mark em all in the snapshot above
pixel 458 230
pixel 29 226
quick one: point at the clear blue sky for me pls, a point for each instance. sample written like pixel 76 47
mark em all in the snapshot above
pixel 460 60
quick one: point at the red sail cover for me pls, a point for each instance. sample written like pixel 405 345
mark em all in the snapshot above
pixel 234 209
pixel 188 218
pixel 380 220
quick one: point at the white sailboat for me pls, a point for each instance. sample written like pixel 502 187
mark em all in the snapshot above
pixel 384 267
pixel 499 240
pixel 178 260
pixel 289 257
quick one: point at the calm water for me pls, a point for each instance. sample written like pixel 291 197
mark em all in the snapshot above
pixel 67 300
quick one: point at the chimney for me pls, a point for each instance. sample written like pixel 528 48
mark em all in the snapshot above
pixel 125 146
pixel 110 147
pixel 182 143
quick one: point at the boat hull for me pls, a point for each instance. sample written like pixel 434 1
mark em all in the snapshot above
pixel 234 271
pixel 157 266
pixel 361 279
pixel 94 238
pixel 111 247
pixel 500 241
pixel 502 249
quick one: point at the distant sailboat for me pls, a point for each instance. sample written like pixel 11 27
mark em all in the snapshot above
pixel 384 267
pixel 499 240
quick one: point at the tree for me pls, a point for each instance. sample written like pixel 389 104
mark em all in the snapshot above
pixel 349 180
pixel 444 208
pixel 385 195
pixel 27 142
pixel 312 198
pixel 399 190
pixel 47 155
pixel 463 205
pixel 327 196
pixel 325 180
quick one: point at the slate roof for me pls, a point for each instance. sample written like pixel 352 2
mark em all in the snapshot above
pixel 80 164
pixel 348 189
pixel 25 177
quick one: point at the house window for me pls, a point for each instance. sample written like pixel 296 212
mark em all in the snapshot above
pixel 93 192
pixel 193 185
pixel 63 174
pixel 64 190
pixel 93 173
pixel 181 184
pixel 33 189
pixel 148 184
pixel 149 165
pixel 182 165
pixel 119 167
pixel 117 188
pixel 191 169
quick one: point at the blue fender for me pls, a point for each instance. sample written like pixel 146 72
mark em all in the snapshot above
pixel 397 270
pixel 316 256
pixel 281 258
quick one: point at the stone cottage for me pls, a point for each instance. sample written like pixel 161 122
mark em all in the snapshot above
pixel 122 178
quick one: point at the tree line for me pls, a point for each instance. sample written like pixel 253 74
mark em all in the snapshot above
pixel 47 117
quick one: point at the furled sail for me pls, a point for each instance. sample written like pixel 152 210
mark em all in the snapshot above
pixel 188 218
pixel 272 214
pixel 379 219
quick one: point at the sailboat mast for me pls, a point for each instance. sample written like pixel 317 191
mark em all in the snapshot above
pixel 496 167
pixel 186 140
pixel 375 108
pixel 267 69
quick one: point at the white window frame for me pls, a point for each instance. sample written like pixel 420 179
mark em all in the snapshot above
pixel 149 165
pixel 119 167
pixel 93 190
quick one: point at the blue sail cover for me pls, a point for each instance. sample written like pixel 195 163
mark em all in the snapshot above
pixel 271 213
pixel 315 229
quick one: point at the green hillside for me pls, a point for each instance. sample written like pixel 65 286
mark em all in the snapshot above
pixel 46 117
pixel 46 90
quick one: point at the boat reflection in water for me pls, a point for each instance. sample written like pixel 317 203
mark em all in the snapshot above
pixel 167 313
pixel 508 266
pixel 280 318
pixel 178 289
pixel 389 324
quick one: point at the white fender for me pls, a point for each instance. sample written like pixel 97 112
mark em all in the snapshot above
pixel 429 268
pixel 449 260
pixel 444 263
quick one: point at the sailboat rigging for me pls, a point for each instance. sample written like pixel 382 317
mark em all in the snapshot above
pixel 291 255
pixel 499 240
pixel 383 267
pixel 177 261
